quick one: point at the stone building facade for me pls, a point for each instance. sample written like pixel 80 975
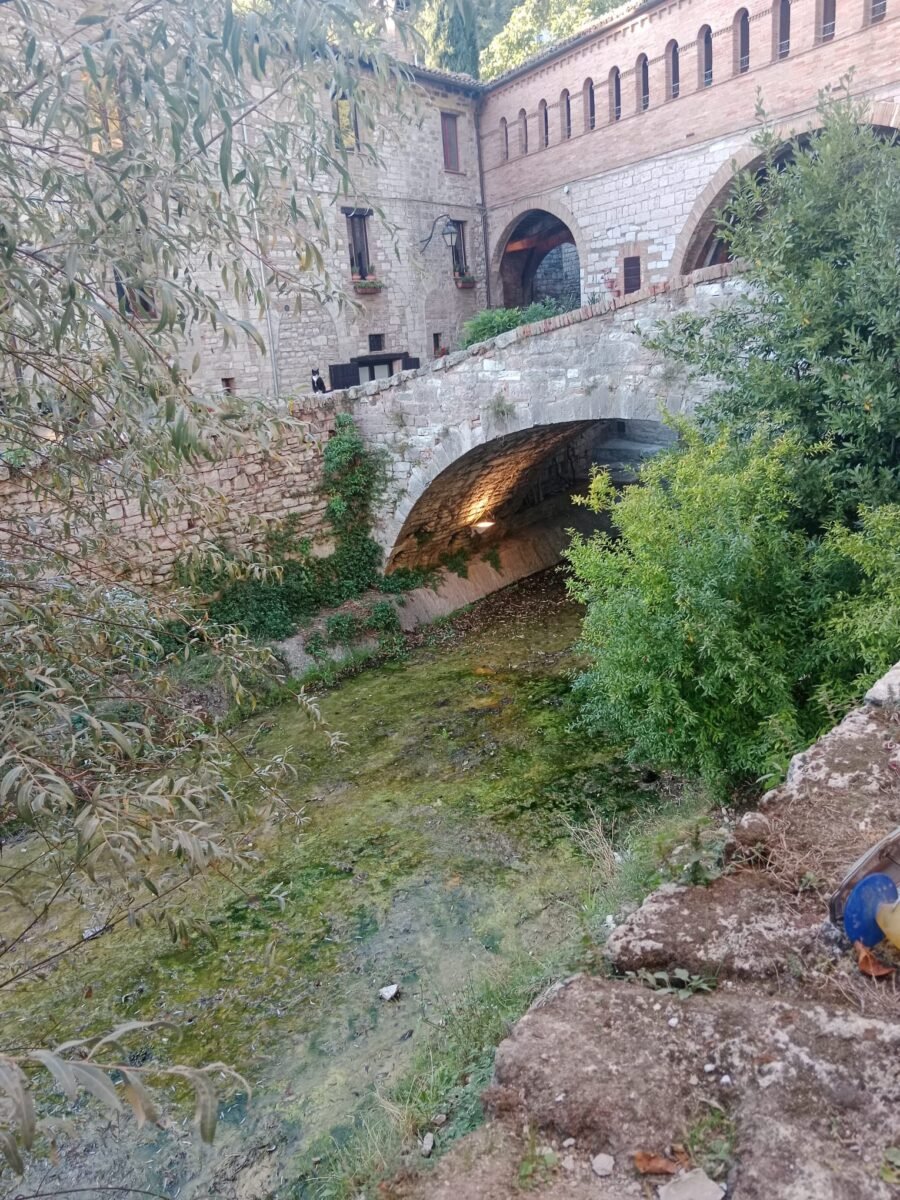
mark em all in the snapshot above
pixel 594 168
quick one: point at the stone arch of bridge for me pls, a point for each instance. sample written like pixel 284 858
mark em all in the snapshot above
pixel 697 245
pixel 504 484
pixel 524 249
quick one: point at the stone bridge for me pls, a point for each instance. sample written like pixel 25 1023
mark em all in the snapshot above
pixel 487 445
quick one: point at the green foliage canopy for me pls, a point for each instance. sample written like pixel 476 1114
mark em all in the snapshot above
pixel 752 589
pixel 813 346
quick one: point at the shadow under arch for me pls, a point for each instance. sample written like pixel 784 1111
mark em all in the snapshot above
pixel 515 480
pixel 540 254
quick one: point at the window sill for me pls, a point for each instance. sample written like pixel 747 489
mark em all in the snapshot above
pixel 450 171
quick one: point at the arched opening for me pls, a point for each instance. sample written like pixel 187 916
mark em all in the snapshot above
pixel 504 140
pixel 781 11
pixel 523 131
pixel 540 262
pixel 673 71
pixel 741 34
pixel 707 247
pixel 544 124
pixel 615 94
pixel 517 487
pixel 565 115
pixel 642 80
pixel 589 105
pixel 705 57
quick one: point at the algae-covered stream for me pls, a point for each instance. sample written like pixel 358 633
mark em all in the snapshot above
pixel 434 852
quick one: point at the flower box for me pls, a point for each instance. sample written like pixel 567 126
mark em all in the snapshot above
pixel 367 287
pixel 464 282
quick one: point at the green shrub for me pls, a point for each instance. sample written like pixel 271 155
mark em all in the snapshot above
pixel 493 321
pixel 721 637
pixel 342 628
pixel 298 584
pixel 382 617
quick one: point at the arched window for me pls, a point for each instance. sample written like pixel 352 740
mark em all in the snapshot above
pixel 523 131
pixel 782 12
pixel 565 115
pixel 589 105
pixel 504 140
pixel 742 42
pixel 704 57
pixel 673 71
pixel 615 94
pixel 543 125
pixel 642 78
pixel 825 20
pixel 876 11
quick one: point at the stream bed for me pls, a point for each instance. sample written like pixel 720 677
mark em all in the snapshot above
pixel 434 853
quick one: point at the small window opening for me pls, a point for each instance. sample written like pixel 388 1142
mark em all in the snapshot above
pixel 783 36
pixel 458 249
pixel 743 42
pixel 826 32
pixel 436 342
pixel 544 123
pixel 643 81
pixel 877 11
pixel 376 342
pixel 673 70
pixel 450 139
pixel 523 131
pixel 565 115
pixel 229 385
pixel 360 266
pixel 706 57
pixel 631 274
pixel 346 124
pixel 590 106
pixel 615 98
pixel 504 140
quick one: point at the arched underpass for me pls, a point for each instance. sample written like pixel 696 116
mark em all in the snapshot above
pixel 507 504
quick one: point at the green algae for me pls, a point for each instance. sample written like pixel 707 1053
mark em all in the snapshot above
pixel 433 854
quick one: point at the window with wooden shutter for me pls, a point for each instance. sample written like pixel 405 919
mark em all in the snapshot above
pixel 343 375
pixel 450 139
pixel 631 274
pixel 458 250
pixel 358 239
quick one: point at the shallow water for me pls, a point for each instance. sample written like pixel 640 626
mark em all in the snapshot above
pixel 434 852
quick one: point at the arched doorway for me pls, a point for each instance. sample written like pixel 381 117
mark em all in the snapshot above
pixel 540 261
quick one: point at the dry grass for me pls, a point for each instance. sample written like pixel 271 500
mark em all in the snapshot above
pixel 595 843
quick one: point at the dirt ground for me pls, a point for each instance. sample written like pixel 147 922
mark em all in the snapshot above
pixel 783 1083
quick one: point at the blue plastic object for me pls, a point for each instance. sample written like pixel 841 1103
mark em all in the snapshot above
pixel 862 905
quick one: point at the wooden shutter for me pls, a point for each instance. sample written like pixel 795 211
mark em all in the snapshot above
pixel 450 141
pixel 631 274
pixel 343 375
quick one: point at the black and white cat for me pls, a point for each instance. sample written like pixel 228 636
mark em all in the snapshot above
pixel 318 383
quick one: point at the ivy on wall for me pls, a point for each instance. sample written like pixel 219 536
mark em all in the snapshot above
pixel 298 583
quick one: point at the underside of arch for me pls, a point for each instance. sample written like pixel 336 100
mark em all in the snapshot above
pixel 515 481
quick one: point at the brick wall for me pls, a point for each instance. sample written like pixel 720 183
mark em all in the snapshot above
pixel 647 179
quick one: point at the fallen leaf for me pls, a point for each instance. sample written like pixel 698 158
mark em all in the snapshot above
pixel 649 1163
pixel 869 964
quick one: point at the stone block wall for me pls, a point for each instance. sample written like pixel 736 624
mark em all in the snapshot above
pixel 239 496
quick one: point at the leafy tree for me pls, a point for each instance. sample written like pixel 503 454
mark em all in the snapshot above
pixel 721 637
pixel 451 34
pixel 166 168
pixel 534 25
pixel 813 346
pixel 752 588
